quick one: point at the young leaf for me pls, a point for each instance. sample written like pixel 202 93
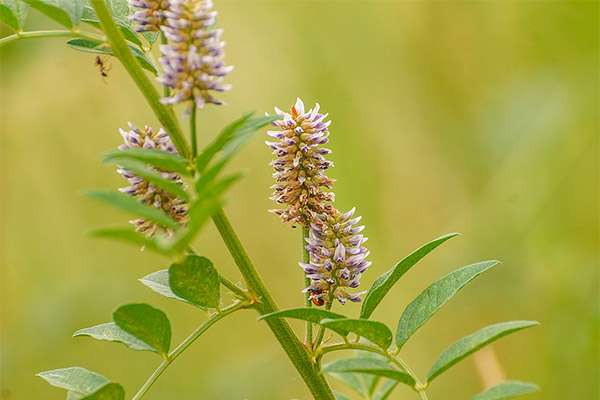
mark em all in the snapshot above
pixel 75 379
pixel 196 280
pixel 369 366
pixel 314 315
pixel 375 331
pixel 128 235
pixel 9 18
pixel 159 282
pixel 507 390
pixel 19 9
pixel 341 396
pixel 434 297
pixel 160 159
pixel 110 391
pixel 153 176
pixel 386 390
pixel 384 283
pixel 73 8
pixel 112 333
pixel 131 205
pixel 146 323
pixel 52 11
pixel 470 344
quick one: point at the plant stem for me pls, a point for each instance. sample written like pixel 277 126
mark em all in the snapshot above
pixel 419 387
pixel 49 33
pixel 185 344
pixel 297 353
pixel 163 40
pixel 193 131
pixel 322 328
pixel 123 53
pixel 307 283
pixel 291 345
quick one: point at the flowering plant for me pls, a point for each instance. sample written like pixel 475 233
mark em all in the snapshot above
pixel 174 190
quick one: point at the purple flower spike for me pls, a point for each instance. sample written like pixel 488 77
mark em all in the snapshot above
pixel 193 61
pixel 150 15
pixel 300 166
pixel 144 191
pixel 336 258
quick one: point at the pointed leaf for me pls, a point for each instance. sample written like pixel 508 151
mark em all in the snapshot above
pixel 19 9
pixel 159 282
pixel 160 159
pixel 73 8
pixel 384 283
pixel 128 235
pixel 110 391
pixel 434 297
pixel 75 379
pixel 128 33
pixel 99 47
pixel 196 280
pixel 9 18
pixel 314 315
pixel 131 205
pixel 150 37
pixel 507 390
pixel 153 176
pixel 146 323
pixel 375 331
pixel 369 366
pixel 470 344
pixel 51 10
pixel 112 333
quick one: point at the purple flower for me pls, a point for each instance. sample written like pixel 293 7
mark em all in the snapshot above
pixel 150 15
pixel 337 259
pixel 300 165
pixel 193 61
pixel 146 192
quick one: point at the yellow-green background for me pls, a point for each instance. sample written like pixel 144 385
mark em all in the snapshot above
pixel 476 117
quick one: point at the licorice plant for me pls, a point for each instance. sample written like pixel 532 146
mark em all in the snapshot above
pixel 173 189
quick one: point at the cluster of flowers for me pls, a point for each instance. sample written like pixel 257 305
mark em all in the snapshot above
pixel 193 61
pixel 337 257
pixel 146 192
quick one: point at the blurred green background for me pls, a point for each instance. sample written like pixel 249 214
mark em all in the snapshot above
pixel 476 117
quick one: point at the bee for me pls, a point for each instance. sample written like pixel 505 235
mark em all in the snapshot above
pixel 101 63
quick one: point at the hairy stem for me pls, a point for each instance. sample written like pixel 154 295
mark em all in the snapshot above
pixel 393 358
pixel 185 344
pixel 48 34
pixel 307 302
pixel 322 328
pixel 193 131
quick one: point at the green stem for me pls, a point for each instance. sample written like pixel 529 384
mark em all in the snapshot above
pixel 185 344
pixel 297 353
pixel 163 40
pixel 307 283
pixel 49 33
pixel 123 53
pixel 419 387
pixel 193 131
pixel 226 282
pixel 322 328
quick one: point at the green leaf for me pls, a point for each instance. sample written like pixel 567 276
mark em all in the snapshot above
pixel 314 315
pixel 19 10
pixel 150 37
pixel 384 283
pixel 196 280
pixel 146 323
pixel 129 235
pixel 73 8
pixel 386 390
pixel 110 391
pixel 112 333
pixel 51 10
pixel 434 297
pixel 75 379
pixel 119 9
pixel 375 331
pixel 507 390
pixel 9 18
pixel 351 380
pixel 160 159
pixel 128 33
pixel 131 205
pixel 99 47
pixel 153 176
pixel 159 282
pixel 369 366
pixel 341 396
pixel 74 396
pixel 470 344
pixel 369 381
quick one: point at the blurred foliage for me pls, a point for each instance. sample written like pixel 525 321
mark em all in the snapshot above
pixel 476 117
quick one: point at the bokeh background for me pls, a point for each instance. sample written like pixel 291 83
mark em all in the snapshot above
pixel 476 117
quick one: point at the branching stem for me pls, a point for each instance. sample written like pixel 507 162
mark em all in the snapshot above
pixel 49 34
